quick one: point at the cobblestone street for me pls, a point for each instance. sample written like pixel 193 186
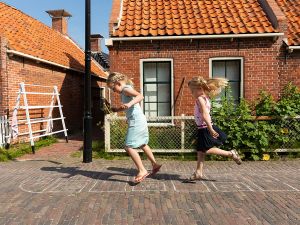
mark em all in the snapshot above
pixel 46 189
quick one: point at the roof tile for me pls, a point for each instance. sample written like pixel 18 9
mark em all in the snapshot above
pixel 169 17
pixel 29 36
pixel 291 9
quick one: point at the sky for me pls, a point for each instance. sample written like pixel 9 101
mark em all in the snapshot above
pixel 100 13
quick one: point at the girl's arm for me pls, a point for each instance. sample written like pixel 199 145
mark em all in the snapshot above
pixel 131 92
pixel 118 109
pixel 206 117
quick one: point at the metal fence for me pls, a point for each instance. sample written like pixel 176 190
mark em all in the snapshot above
pixel 4 131
pixel 289 129
pixel 178 133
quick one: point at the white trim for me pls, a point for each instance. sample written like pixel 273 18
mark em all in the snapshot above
pixel 189 37
pixel 294 47
pixel 172 76
pixel 230 58
pixel 103 91
pixel 290 48
pixel 46 61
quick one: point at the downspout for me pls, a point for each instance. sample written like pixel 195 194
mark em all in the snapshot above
pixel 3 76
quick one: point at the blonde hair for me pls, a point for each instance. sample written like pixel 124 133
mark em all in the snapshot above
pixel 115 76
pixel 211 87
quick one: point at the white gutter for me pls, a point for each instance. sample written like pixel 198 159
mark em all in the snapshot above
pixel 294 47
pixel 45 61
pixel 109 42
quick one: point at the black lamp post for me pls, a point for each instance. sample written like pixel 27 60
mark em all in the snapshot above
pixel 87 120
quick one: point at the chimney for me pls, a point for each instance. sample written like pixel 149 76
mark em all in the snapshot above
pixel 96 42
pixel 59 20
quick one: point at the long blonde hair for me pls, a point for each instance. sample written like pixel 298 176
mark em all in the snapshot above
pixel 211 87
pixel 115 76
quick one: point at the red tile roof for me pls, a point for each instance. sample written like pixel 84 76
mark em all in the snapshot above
pixel 191 17
pixel 291 9
pixel 29 36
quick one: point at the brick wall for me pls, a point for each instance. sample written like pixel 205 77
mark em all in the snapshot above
pixel 70 86
pixel 263 66
pixel 289 67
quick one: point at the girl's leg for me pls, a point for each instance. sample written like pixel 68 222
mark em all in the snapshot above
pixel 200 163
pixel 137 161
pixel 198 174
pixel 217 151
pixel 231 154
pixel 150 156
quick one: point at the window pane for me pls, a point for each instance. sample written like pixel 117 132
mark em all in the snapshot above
pixel 150 92
pixel 164 109
pixel 164 93
pixel 233 70
pixel 163 71
pixel 235 90
pixel 150 109
pixel 152 98
pixel 218 69
pixel 150 72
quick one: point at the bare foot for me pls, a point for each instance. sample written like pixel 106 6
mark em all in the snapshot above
pixel 235 156
pixel 195 176
pixel 141 176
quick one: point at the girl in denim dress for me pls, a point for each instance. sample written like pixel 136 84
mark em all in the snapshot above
pixel 137 133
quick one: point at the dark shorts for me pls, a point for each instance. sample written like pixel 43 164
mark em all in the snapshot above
pixel 205 141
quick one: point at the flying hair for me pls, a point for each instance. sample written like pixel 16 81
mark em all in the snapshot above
pixel 115 76
pixel 212 87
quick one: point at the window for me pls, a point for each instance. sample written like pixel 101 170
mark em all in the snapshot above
pixel 156 85
pixel 231 69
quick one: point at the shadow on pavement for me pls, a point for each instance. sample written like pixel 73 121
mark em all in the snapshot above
pixel 107 176
pixel 73 171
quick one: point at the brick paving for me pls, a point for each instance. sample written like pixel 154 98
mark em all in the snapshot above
pixel 53 188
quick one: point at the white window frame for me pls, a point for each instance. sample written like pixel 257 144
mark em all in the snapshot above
pixel 230 58
pixel 172 86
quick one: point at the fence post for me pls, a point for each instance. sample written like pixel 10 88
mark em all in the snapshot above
pixel 4 131
pixel 182 131
pixel 107 120
pixel 2 134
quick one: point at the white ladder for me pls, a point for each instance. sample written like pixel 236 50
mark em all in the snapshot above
pixel 28 121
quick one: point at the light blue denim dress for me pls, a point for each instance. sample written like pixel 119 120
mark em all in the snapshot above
pixel 137 133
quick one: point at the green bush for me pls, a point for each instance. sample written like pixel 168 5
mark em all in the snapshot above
pixel 259 136
pixel 289 103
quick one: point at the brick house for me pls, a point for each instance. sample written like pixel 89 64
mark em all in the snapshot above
pixel 162 44
pixel 34 53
